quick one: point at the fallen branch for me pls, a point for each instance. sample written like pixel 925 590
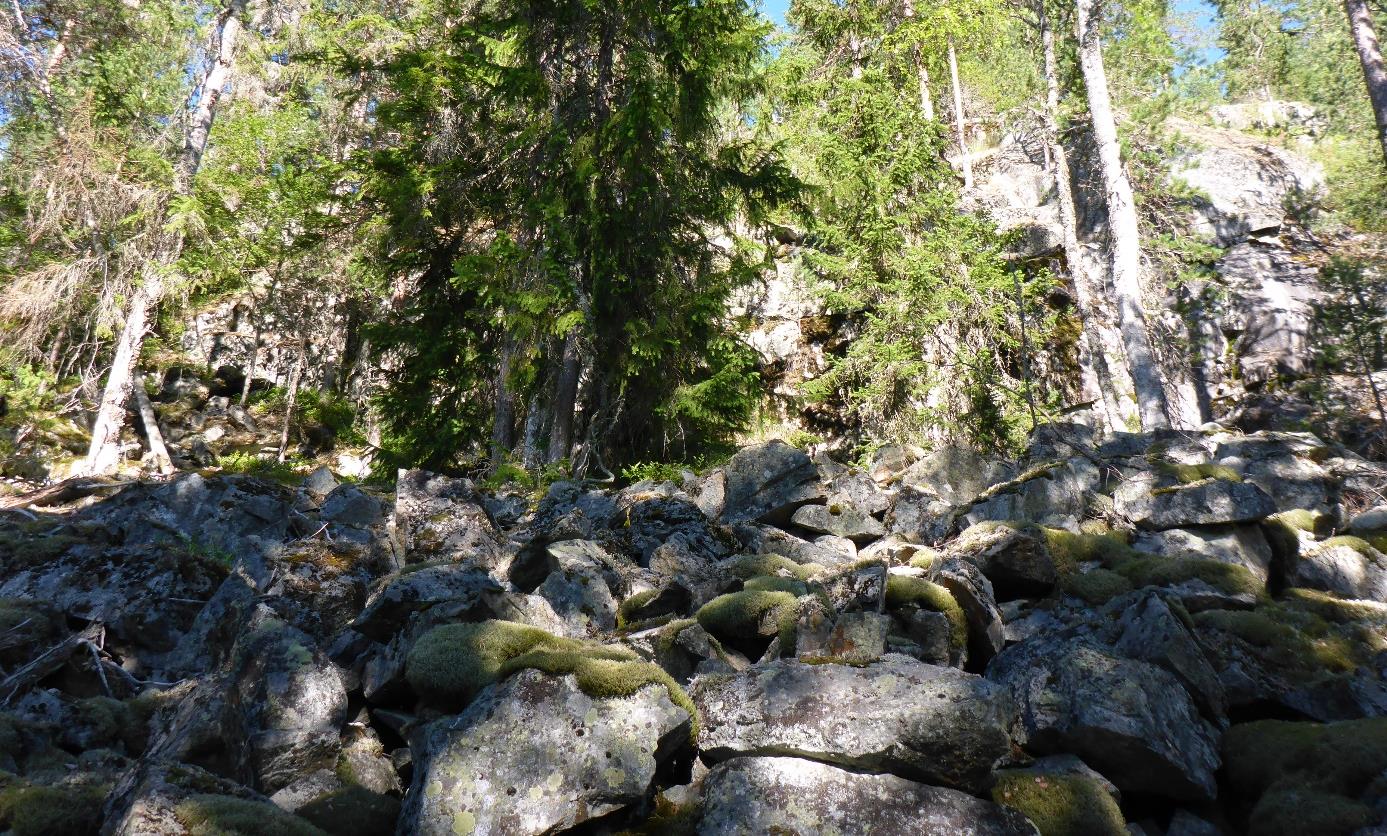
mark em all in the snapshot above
pixel 46 663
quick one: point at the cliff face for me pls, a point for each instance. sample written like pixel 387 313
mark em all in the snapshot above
pixel 1183 630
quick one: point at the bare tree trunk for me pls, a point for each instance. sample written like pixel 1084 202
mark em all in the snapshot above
pixel 565 400
pixel 294 379
pixel 152 434
pixel 1360 24
pixel 104 453
pixel 959 119
pixel 1101 341
pixel 504 416
pixel 1122 227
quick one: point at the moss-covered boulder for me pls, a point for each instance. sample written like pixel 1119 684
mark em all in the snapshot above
pixel 1062 797
pixel 1157 502
pixel 541 753
pixel 60 810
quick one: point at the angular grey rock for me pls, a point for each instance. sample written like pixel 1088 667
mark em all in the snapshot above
pixel 293 700
pixel 973 592
pixel 534 754
pixel 675 564
pixel 465 593
pixel 1209 502
pixel 839 520
pixel 441 518
pixel 888 462
pixel 920 516
pixel 922 721
pixel 1345 567
pixel 1130 720
pixel 1283 465
pixel 957 474
pixel 145 800
pixel 858 587
pixel 765 482
pixel 1058 496
pixel 1150 631
pixel 351 506
pixel 767 539
pixel 1372 521
pixel 1238 545
pixel 790 795
pixel 320 481
pixel 1015 558
pixel 858 638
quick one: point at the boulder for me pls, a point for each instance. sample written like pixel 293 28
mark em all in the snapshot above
pixel 439 518
pixel 459 591
pixel 650 520
pixel 957 474
pixel 765 482
pixel 1015 558
pixel 1130 720
pixel 840 520
pixel 919 516
pixel 920 721
pixel 1056 494
pixel 534 754
pixel 973 592
pixel 1238 545
pixel 1348 567
pixel 1148 504
pixel 859 587
pixel 790 795
pixel 1150 631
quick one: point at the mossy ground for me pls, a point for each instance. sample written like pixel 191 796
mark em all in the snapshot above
pixel 1302 811
pixel 68 810
pixel 1170 571
pixel 1068 549
pixel 106 718
pixel 775 583
pixel 904 591
pixel 221 815
pixel 751 612
pixel 631 605
pixel 1061 805
pixel 1095 587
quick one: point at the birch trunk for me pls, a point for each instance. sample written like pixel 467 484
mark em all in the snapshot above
pixel 104 453
pixel 157 449
pixel 1360 23
pixel 1122 227
pixel 1101 342
pixel 959 119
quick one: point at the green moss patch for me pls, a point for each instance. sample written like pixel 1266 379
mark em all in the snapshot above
pixel 72 810
pixel 1358 544
pixel 1068 550
pixel 1293 640
pixel 354 810
pixel 1299 519
pixel 1095 587
pixel 902 590
pixel 751 612
pixel 775 583
pixel 924 558
pixel 632 605
pixel 449 664
pixel 1189 474
pixel 1060 805
pixel 753 565
pixel 1170 571
pixel 1302 811
pixel 1277 757
pixel 223 815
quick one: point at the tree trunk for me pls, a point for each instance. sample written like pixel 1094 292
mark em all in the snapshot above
pixel 157 449
pixel 294 379
pixel 959 119
pixel 1360 24
pixel 565 400
pixel 104 453
pixel 504 417
pixel 1122 227
pixel 1101 342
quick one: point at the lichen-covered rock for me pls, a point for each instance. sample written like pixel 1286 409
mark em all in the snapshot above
pixel 858 587
pixel 1130 720
pixel 1152 504
pixel 1150 631
pixel 534 754
pixel 1054 494
pixel 922 721
pixel 919 516
pixel 1014 557
pixel 973 592
pixel 1062 797
pixel 441 518
pixel 146 801
pixel 957 474
pixel 794 796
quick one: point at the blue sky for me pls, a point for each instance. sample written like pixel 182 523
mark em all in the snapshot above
pixel 1201 10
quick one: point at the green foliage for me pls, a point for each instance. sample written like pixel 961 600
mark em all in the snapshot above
pixel 1060 805
pixel 541 209
pixel 652 472
pixel 288 472
pixel 925 286
pixel 224 815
